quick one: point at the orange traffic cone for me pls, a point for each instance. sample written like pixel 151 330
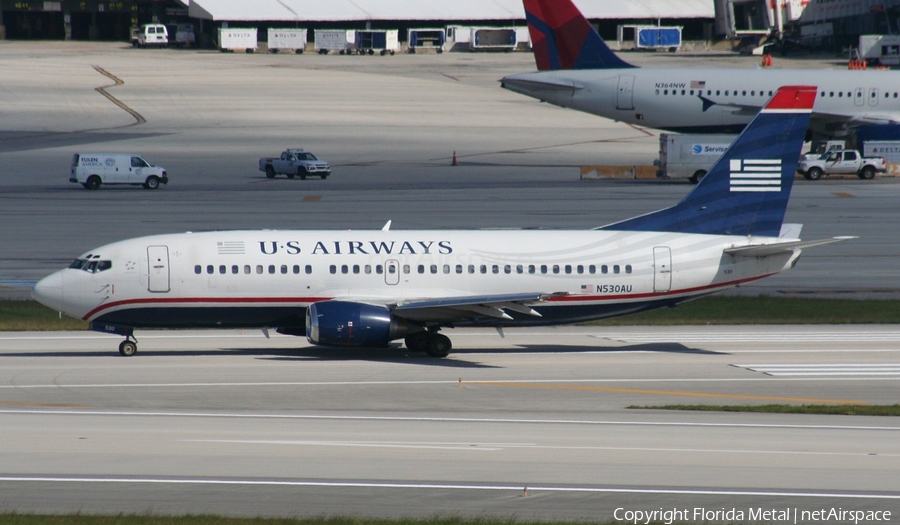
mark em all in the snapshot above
pixel 454 159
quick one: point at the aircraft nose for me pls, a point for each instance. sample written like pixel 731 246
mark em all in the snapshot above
pixel 49 291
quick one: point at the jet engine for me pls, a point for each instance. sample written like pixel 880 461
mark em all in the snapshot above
pixel 343 323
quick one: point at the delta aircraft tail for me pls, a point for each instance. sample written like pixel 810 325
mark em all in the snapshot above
pixel 746 192
pixel 563 39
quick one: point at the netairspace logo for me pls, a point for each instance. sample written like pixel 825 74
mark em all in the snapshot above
pixel 790 515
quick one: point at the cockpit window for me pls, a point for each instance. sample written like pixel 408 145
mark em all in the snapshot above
pixel 90 266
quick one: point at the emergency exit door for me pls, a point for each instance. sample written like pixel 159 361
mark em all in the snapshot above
pixel 158 269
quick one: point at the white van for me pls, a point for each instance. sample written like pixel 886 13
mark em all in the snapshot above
pixel 93 169
pixel 153 35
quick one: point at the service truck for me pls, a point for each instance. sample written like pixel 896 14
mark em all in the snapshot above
pixel 93 169
pixel 841 162
pixel 690 156
pixel 294 162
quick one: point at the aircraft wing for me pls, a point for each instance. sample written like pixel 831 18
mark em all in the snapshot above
pixel 828 121
pixel 764 250
pixel 469 306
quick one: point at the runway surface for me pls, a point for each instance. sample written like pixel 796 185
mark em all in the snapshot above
pixel 535 425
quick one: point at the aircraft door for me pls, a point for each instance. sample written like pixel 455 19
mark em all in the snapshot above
pixel 662 269
pixel 158 269
pixel 873 96
pixel 625 95
pixel 860 98
pixel 391 272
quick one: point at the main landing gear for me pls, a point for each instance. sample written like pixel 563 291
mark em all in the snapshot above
pixel 430 342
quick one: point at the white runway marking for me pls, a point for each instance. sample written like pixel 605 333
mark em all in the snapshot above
pixel 448 486
pixel 99 413
pixel 494 447
pixel 825 370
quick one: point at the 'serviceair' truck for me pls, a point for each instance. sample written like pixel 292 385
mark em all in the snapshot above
pixel 294 162
pixel 690 156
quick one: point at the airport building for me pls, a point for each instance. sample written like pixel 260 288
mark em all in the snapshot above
pixel 817 23
pixel 112 20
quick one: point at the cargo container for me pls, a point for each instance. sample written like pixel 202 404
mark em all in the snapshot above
pixel 237 39
pixel 340 40
pixel 381 41
pixel 427 40
pixel 493 39
pixel 293 39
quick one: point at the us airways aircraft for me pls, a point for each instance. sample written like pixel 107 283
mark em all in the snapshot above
pixel 369 288
pixel 576 69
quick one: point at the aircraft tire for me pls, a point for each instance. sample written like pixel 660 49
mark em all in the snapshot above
pixel 439 346
pixel 127 348
pixel 417 342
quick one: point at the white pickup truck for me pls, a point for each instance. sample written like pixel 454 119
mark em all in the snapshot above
pixel 295 163
pixel 841 162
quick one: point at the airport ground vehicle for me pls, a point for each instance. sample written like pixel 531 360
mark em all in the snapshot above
pixel 294 162
pixel 93 169
pixel 841 162
pixel 690 156
pixel 821 147
pixel 152 35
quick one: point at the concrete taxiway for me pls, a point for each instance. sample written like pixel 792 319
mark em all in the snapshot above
pixel 535 425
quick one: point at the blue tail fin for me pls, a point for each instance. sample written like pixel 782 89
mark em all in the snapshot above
pixel 563 39
pixel 746 192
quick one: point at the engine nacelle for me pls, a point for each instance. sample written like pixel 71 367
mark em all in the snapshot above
pixel 342 323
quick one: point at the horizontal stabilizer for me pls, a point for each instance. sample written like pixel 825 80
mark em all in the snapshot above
pixel 764 250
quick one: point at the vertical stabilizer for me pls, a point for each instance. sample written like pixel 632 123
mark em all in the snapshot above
pixel 746 192
pixel 563 39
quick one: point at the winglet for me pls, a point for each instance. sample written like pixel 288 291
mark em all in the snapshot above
pixel 746 192
pixel 562 38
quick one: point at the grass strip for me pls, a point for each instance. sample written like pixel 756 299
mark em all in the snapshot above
pixel 767 310
pixel 33 316
pixel 842 410
pixel 29 315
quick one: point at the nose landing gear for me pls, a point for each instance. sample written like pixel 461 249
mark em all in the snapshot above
pixel 128 347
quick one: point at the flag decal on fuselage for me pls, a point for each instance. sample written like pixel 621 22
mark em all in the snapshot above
pixel 755 175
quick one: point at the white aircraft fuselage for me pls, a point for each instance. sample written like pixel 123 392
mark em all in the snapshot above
pixel 714 100
pixel 268 278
